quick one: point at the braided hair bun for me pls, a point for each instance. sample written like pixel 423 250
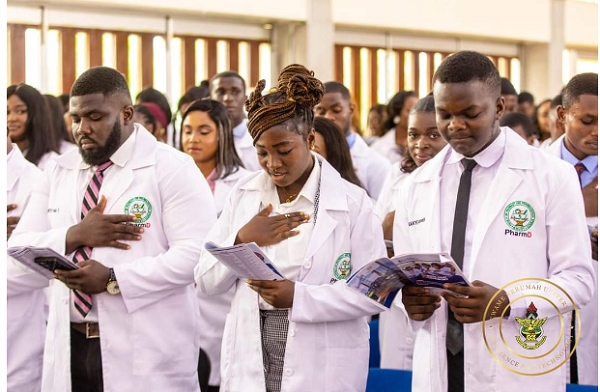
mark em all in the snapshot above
pixel 296 94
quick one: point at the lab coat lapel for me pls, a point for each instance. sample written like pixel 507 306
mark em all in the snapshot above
pixel 144 154
pixel 330 199
pixel 517 155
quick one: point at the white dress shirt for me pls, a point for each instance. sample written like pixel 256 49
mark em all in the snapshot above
pixel 245 146
pixel 119 158
pixel 483 174
pixel 288 255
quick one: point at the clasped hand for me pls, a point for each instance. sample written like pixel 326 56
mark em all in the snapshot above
pixel 277 293
pixel 420 303
pixel 90 278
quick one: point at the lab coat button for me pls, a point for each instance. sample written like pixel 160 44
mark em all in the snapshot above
pixel 307 265
pixel 288 372
pixel 292 332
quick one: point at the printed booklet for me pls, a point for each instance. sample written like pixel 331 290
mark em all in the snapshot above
pixel 247 261
pixel 380 280
pixel 41 260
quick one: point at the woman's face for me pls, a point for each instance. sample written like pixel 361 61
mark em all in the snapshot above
pixel 543 117
pixel 16 118
pixel 424 140
pixel 284 154
pixel 199 137
pixel 320 147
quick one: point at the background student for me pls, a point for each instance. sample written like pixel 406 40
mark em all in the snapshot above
pixel 206 136
pixel 578 113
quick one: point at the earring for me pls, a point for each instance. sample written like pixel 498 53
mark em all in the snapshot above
pixel 396 119
pixel 312 147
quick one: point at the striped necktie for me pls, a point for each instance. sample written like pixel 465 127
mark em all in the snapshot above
pixel 83 302
pixel 580 168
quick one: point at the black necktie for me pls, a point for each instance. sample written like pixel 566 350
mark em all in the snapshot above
pixel 454 330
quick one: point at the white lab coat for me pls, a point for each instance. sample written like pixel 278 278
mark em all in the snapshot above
pixel 396 337
pixel 214 308
pixel 371 168
pixel 558 250
pixel 328 337
pixel 587 350
pixel 386 146
pixel 150 332
pixel 25 316
pixel 247 152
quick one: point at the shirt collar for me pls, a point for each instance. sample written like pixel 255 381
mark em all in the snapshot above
pixel 590 162
pixel 125 152
pixel 351 139
pixel 240 130
pixel 485 158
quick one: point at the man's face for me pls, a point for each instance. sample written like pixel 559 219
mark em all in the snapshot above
pixel 581 126
pixel 96 126
pixel 557 128
pixel 467 115
pixel 231 92
pixel 526 108
pixel 510 103
pixel 339 110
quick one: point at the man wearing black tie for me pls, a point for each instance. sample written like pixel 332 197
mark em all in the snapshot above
pixel 461 197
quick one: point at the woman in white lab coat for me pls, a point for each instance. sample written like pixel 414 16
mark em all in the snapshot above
pixel 308 332
pixel 207 137
pixel 29 124
pixel 423 143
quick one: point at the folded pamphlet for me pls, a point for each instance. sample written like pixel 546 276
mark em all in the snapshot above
pixel 247 261
pixel 44 261
pixel 380 280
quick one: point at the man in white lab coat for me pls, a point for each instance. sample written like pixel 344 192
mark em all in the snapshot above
pixel 229 88
pixel 500 169
pixel 127 319
pixel 578 113
pixel 25 315
pixel 371 167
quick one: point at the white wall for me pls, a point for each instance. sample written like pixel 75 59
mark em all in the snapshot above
pixel 520 20
pixel 581 24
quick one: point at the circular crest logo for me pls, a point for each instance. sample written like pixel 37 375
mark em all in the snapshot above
pixel 519 215
pixel 140 207
pixel 342 267
pixel 535 339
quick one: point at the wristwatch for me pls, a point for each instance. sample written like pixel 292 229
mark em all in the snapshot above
pixel 112 287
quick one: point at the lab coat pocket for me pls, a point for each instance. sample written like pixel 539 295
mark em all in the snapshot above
pixel 165 337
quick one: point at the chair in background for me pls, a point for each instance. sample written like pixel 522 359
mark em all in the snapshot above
pixel 374 355
pixel 389 380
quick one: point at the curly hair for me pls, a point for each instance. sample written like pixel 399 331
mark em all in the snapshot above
pixel 290 104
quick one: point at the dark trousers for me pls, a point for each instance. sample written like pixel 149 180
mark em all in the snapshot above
pixel 86 363
pixel 204 368
pixel 456 371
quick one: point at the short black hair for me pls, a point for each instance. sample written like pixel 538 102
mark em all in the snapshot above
pixel 556 101
pixel 228 74
pixel 424 105
pixel 194 93
pixel 150 94
pixel 466 66
pixel 506 87
pixel 337 87
pixel 64 98
pixel 514 119
pixel 525 97
pixel 580 84
pixel 103 80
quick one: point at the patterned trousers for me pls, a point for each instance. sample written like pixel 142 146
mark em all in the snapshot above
pixel 274 329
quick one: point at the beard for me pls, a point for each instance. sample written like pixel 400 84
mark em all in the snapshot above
pixel 99 155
